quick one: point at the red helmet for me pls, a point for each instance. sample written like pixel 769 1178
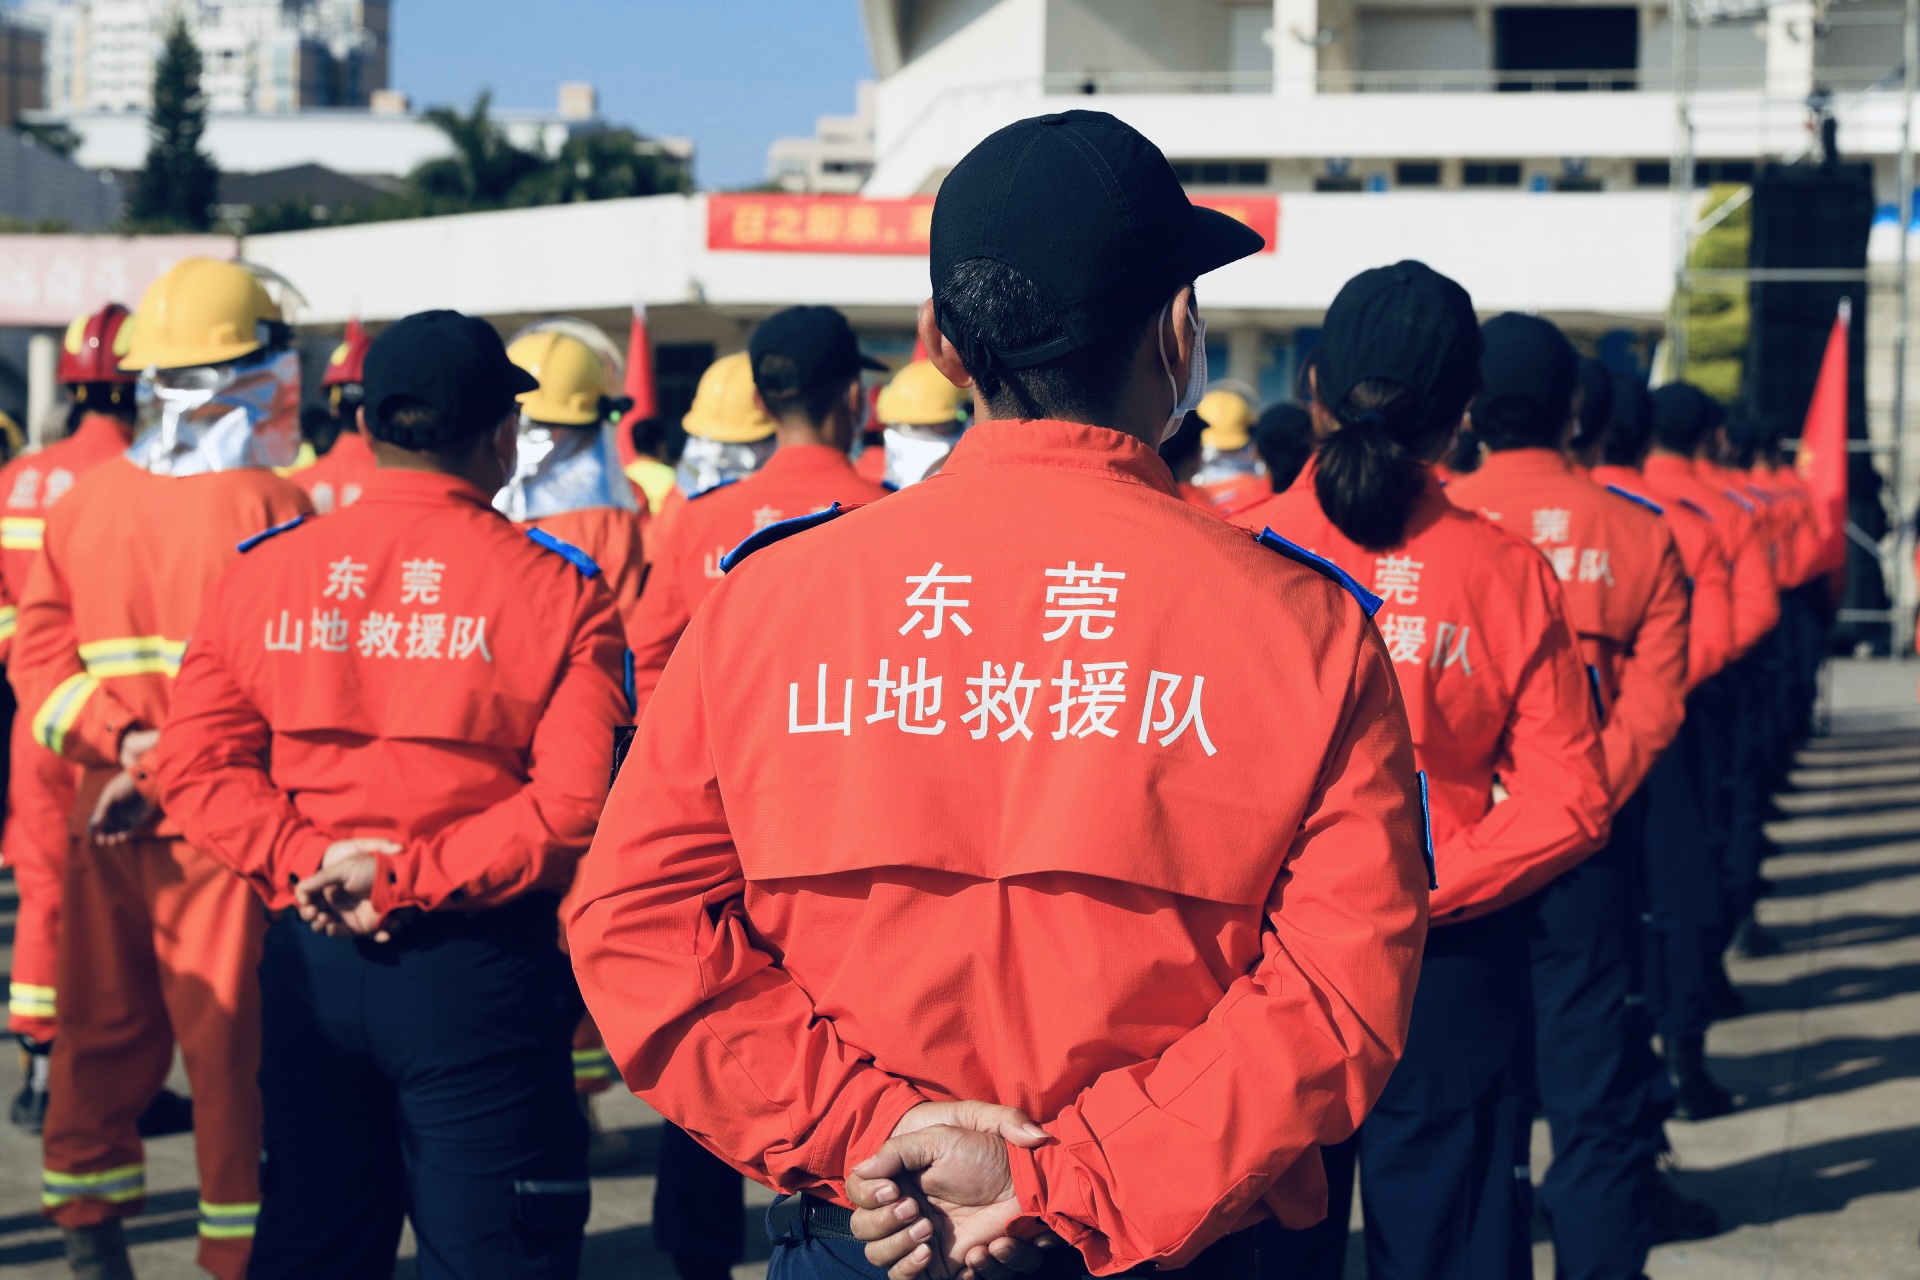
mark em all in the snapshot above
pixel 348 362
pixel 95 345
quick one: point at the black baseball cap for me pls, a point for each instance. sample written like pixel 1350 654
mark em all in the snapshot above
pixel 818 340
pixel 1528 373
pixel 452 362
pixel 1088 209
pixel 1406 324
pixel 1596 400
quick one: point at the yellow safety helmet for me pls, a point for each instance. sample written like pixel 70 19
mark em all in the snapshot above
pixel 723 409
pixel 1229 420
pixel 573 379
pixel 921 396
pixel 201 311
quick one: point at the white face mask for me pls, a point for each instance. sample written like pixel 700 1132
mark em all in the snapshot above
pixel 1184 402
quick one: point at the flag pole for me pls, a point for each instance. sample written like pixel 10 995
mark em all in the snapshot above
pixel 1905 586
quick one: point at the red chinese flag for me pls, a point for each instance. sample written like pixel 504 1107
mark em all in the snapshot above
pixel 1822 460
pixel 639 388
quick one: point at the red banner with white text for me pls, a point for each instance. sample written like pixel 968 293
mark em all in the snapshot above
pixel 774 223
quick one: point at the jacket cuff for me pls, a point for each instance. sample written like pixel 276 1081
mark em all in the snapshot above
pixel 393 883
pixel 1044 1186
pixel 860 1121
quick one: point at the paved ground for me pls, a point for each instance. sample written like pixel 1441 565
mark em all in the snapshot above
pixel 1818 1175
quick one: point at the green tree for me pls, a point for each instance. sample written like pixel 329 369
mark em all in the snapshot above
pixel 605 165
pixel 178 186
pixel 484 168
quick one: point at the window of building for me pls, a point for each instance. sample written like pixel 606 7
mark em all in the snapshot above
pixel 1577 182
pixel 1652 173
pixel 1707 173
pixel 1490 173
pixel 1417 173
pixel 1221 173
pixel 1339 182
pixel 1531 40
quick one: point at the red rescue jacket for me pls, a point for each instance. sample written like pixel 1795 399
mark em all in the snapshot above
pixel 1032 783
pixel 1480 639
pixel 413 667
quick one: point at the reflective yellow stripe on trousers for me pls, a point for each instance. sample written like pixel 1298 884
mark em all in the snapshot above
pixel 228 1221
pixel 115 1186
pixel 9 622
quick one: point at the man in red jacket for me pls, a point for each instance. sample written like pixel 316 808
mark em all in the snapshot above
pixel 911 818
pixel 396 724
pixel 1626 594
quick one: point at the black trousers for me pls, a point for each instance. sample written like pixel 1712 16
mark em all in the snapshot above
pixel 697 1209
pixel 1593 1077
pixel 1444 1155
pixel 429 1078
pixel 1685 921
pixel 799 1256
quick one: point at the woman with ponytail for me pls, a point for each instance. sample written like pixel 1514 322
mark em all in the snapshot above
pixel 1504 731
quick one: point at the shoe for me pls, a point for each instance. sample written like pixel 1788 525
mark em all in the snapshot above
pixel 1673 1216
pixel 99 1252
pixel 1696 1094
pixel 606 1150
pixel 689 1267
pixel 29 1109
pixel 167 1113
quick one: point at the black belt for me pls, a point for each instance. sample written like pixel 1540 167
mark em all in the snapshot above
pixel 825 1220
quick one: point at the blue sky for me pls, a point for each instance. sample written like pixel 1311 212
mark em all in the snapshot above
pixel 733 75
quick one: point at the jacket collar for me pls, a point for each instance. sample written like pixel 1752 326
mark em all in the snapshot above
pixel 98 429
pixel 1531 463
pixel 421 488
pixel 805 459
pixel 1072 446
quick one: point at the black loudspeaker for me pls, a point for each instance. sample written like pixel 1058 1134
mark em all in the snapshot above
pixel 1816 217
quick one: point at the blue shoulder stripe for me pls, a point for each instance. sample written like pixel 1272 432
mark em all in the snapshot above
pixel 1642 499
pixel 566 551
pixel 1426 827
pixel 1300 555
pixel 264 534
pixel 712 488
pixel 774 533
pixel 1697 509
pixel 627 681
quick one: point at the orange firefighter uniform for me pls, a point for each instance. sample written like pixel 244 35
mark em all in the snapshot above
pixel 1073 679
pixel 1754 597
pixel 339 476
pixel 158 941
pixel 1709 587
pixel 686 554
pixel 40 784
pixel 1480 638
pixel 1625 589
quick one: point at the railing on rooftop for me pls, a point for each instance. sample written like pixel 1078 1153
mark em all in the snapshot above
pixel 1621 80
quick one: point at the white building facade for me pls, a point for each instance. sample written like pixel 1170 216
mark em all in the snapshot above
pixel 259 55
pixel 1566 97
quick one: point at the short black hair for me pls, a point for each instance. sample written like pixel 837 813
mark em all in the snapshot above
pixel 409 423
pixel 1284 440
pixel 984 305
pixel 1630 426
pixel 1683 417
pixel 777 378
